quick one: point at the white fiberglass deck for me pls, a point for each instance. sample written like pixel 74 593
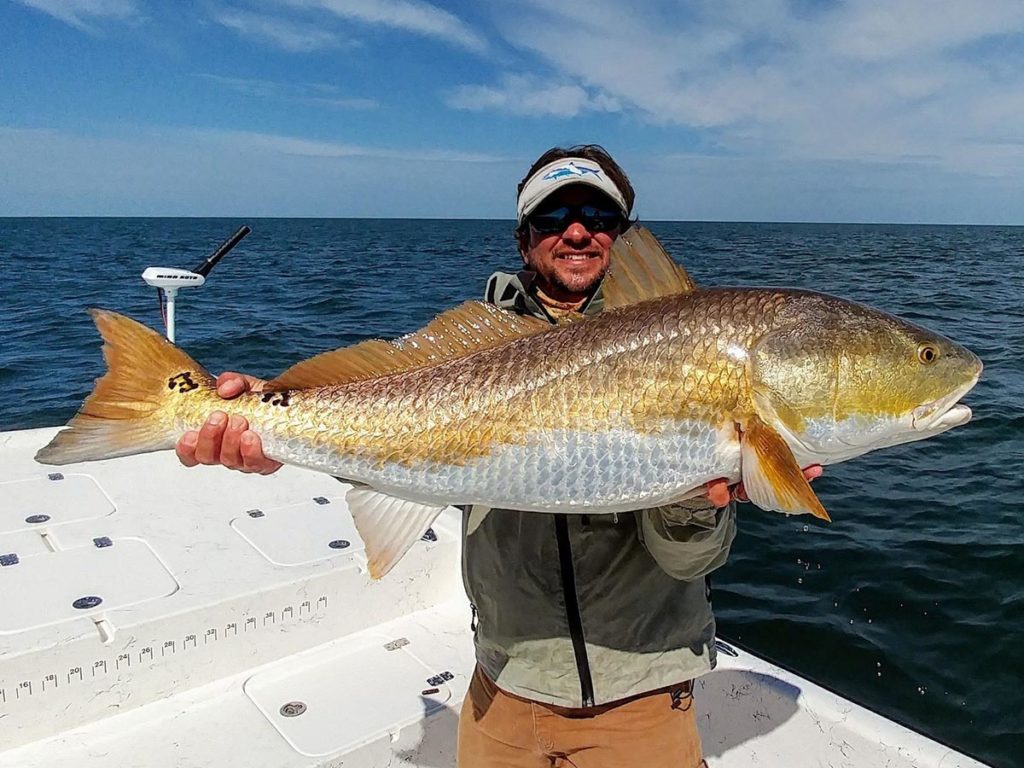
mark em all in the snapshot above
pixel 156 616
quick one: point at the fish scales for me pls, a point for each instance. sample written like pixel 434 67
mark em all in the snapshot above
pixel 640 406
pixel 635 406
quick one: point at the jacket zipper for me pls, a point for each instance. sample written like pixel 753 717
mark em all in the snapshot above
pixel 572 610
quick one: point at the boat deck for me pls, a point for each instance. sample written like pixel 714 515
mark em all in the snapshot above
pixel 158 616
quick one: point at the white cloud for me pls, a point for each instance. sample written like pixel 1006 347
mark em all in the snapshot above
pixel 175 172
pixel 521 95
pixel 408 15
pixel 78 13
pixel 289 35
pixel 268 143
pixel 340 102
pixel 187 172
pixel 862 80
pixel 317 94
pixel 889 29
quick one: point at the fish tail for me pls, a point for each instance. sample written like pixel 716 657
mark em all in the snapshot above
pixel 132 407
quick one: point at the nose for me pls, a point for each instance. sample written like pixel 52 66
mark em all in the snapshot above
pixel 576 233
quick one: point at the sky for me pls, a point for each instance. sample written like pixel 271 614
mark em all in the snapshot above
pixel 719 110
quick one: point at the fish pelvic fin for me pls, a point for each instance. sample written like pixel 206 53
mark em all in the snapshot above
pixel 772 477
pixel 387 525
pixel 459 332
pixel 640 270
pixel 126 412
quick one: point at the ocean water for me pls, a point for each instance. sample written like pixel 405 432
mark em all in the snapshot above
pixel 911 602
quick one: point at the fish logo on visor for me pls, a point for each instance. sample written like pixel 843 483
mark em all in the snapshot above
pixel 571 169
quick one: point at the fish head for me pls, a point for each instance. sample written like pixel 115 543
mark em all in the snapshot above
pixel 844 379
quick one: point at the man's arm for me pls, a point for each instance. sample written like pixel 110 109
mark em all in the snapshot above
pixel 688 540
pixel 691 539
pixel 227 440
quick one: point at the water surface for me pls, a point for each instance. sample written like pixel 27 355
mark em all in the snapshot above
pixel 911 602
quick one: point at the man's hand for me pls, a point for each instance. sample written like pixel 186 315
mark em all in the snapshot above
pixel 719 493
pixel 227 440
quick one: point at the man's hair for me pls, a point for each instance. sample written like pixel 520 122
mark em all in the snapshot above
pixel 593 152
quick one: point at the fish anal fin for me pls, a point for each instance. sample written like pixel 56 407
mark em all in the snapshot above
pixel 388 526
pixel 475 517
pixel 461 331
pixel 772 478
pixel 640 270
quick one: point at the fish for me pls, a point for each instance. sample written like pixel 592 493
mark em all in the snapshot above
pixel 670 387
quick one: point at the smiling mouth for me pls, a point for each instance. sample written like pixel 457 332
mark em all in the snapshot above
pixel 577 256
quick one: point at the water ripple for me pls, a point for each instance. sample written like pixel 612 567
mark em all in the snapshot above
pixel 912 601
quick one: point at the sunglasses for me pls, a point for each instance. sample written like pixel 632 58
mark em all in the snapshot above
pixel 592 217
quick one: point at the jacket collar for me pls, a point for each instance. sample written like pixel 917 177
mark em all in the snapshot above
pixel 518 293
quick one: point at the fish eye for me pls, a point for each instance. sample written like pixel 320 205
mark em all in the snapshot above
pixel 927 353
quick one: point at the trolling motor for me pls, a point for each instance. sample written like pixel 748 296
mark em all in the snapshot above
pixel 167 280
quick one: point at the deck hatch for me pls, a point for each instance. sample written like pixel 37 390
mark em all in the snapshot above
pixel 301 533
pixel 353 695
pixel 29 503
pixel 53 587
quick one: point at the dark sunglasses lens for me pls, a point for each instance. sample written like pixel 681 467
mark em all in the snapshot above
pixel 551 221
pixel 590 216
pixel 599 219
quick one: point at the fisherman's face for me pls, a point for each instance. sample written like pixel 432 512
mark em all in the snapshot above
pixel 570 263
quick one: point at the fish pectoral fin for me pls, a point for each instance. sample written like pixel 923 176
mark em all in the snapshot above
pixel 388 526
pixel 772 477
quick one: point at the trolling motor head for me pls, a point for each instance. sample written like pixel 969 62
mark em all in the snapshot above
pixel 167 280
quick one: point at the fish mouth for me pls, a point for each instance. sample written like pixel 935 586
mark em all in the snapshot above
pixel 956 415
pixel 946 412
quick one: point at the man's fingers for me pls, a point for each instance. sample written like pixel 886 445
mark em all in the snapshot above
pixel 230 385
pixel 230 453
pixel 253 459
pixel 718 492
pixel 210 436
pixel 226 441
pixel 186 449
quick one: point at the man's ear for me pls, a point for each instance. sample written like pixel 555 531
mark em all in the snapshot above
pixel 523 240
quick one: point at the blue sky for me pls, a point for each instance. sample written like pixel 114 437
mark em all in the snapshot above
pixel 864 110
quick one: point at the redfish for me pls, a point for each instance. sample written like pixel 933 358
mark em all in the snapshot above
pixel 667 389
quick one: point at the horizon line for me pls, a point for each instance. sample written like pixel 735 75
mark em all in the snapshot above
pixel 512 220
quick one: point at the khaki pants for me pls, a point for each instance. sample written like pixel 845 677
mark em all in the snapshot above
pixel 499 730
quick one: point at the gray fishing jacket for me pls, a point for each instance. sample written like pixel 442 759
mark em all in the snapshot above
pixel 582 610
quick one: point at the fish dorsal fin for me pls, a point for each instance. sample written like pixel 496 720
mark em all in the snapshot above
pixel 640 269
pixel 467 328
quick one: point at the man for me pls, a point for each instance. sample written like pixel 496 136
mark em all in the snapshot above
pixel 589 629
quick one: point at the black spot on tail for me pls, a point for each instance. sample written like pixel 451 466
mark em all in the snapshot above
pixel 182 382
pixel 277 398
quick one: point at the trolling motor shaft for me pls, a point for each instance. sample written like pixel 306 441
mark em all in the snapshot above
pixel 168 280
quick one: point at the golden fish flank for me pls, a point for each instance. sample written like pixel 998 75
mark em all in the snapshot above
pixel 667 389
pixel 637 407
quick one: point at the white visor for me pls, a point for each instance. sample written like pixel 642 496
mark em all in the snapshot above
pixel 561 173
